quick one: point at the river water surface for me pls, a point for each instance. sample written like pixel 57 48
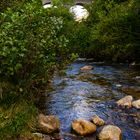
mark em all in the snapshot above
pixel 83 94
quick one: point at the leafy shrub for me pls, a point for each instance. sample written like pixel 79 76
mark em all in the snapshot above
pixel 31 44
pixel 14 4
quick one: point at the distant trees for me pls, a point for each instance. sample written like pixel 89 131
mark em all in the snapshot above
pixel 111 32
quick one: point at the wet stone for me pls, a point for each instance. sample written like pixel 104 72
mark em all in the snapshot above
pixel 136 104
pixel 48 124
pixel 97 120
pixel 86 68
pixel 110 132
pixel 94 78
pixel 125 102
pixel 83 127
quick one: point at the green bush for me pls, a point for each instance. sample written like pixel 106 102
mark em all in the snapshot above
pixel 31 44
pixel 14 4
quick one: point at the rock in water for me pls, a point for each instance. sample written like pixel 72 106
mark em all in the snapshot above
pixel 137 77
pixel 132 90
pixel 126 101
pixel 83 127
pixel 118 85
pixel 86 68
pixel 39 135
pixel 136 104
pixel 110 132
pixel 48 124
pixel 97 120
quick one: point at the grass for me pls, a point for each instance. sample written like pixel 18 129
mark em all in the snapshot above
pixel 17 120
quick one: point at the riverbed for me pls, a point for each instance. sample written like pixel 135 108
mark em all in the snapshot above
pixel 76 94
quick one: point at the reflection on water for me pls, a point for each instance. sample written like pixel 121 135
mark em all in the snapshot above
pixel 75 97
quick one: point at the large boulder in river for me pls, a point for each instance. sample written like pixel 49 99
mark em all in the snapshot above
pixel 136 104
pixel 125 102
pixel 86 68
pixel 48 124
pixel 110 132
pixel 83 127
pixel 97 120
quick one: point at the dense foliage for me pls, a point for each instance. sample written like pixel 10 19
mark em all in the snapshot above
pixel 32 46
pixel 112 31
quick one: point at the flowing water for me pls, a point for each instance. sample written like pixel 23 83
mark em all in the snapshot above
pixel 83 94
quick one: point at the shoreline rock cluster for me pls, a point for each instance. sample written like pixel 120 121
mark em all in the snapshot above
pixel 109 132
pixel 128 102
pixel 50 124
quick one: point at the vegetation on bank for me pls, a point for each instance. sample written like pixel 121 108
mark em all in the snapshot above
pixel 112 31
pixel 35 41
pixel 32 46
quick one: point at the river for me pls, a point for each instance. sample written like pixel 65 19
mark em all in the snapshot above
pixel 77 94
